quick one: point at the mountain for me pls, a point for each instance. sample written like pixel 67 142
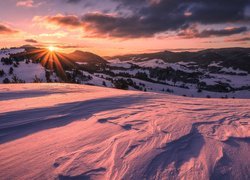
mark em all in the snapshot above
pixel 86 57
pixel 230 57
pixel 69 131
pixel 28 47
pixel 220 73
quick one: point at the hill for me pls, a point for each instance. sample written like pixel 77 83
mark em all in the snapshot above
pixel 86 57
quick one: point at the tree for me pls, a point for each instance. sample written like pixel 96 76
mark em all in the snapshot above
pixel 6 81
pixel 15 79
pixel 11 70
pixel 47 75
pixel 2 73
pixel 199 90
pixel 15 65
pixel 37 80
pixel 121 84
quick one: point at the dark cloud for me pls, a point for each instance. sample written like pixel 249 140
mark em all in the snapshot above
pixel 103 24
pixel 145 18
pixel 222 32
pixel 31 41
pixel 73 1
pixel 6 30
pixel 155 16
pixel 203 11
pixel 193 32
pixel 244 39
pixel 69 20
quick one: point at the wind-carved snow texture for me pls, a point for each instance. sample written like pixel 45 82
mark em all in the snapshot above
pixel 63 131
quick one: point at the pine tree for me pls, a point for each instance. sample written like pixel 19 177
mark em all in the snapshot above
pixel 11 70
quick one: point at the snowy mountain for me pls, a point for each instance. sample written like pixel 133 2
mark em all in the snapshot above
pixel 238 58
pixel 223 73
pixel 69 131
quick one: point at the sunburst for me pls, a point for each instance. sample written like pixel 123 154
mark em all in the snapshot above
pixel 50 59
pixel 51 48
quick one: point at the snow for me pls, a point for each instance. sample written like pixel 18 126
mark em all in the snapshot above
pixel 153 63
pixel 82 63
pixel 26 72
pixel 215 64
pixel 120 64
pixel 192 91
pixel 159 63
pixel 236 81
pixel 189 63
pixel 95 80
pixel 231 70
pixel 65 131
pixel 131 71
pixel 6 52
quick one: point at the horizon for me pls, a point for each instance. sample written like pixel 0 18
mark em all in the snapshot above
pixel 59 50
pixel 118 27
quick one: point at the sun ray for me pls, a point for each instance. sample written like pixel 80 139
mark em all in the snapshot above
pixel 58 64
pixel 50 60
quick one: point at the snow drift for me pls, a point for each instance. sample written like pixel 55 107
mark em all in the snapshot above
pixel 64 131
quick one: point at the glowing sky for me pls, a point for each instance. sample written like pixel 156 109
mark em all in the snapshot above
pixel 111 27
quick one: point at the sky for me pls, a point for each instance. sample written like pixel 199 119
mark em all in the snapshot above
pixel 115 27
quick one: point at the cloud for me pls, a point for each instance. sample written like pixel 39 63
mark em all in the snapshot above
pixel 244 39
pixel 193 32
pixel 73 1
pixel 58 35
pixel 69 20
pixel 149 17
pixel 7 30
pixel 223 32
pixel 115 26
pixel 171 15
pixel 27 3
pixel 31 40
pixel 57 21
pixel 69 46
pixel 146 18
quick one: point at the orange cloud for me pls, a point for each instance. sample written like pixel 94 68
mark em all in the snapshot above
pixel 58 21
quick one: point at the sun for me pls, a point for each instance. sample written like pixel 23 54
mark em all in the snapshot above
pixel 51 48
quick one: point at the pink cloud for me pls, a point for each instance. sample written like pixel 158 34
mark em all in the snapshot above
pixel 7 30
pixel 27 3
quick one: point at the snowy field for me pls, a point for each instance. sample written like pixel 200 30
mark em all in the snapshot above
pixel 65 131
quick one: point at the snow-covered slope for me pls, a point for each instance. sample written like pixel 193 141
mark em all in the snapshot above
pixel 65 131
pixel 6 52
pixel 25 72
pixel 22 71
